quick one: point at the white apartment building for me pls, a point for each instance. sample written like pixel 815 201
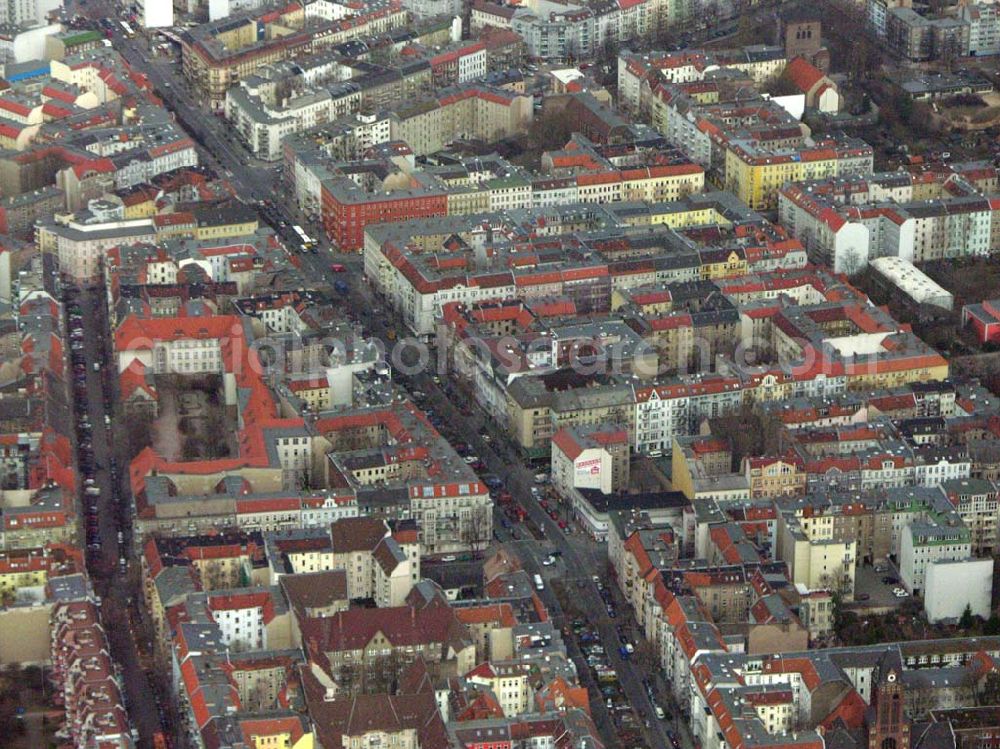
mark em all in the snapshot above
pixel 878 12
pixel 848 237
pixel 940 469
pixel 984 28
pixel 509 193
pixel 242 628
pixel 433 8
pixel 421 310
pixel 156 160
pixel 683 132
pixel 264 124
pixel 556 32
pixel 546 193
pixel 452 514
pixel 661 413
pixel 510 685
pixel 155 14
pixel 887 471
pixel 187 356
pixel 321 513
pixel 27 12
pixel 223 8
pixel 607 26
pixel 80 247
pixel 951 228
pixel 326 10
pixel 924 543
pixel 472 66
pixel 634 19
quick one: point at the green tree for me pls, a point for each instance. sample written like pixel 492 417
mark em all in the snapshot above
pixel 989 690
pixel 967 620
pixel 992 627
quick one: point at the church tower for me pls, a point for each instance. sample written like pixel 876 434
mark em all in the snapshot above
pixel 888 727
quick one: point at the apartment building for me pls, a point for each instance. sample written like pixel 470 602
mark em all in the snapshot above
pixel 590 458
pixel 381 564
pixel 153 15
pixel 984 28
pixel 815 559
pixel 924 543
pixel 755 172
pixel 86 677
pixel 389 186
pixel 642 74
pixel 181 346
pixel 918 38
pixel 278 457
pixel 263 122
pixel 701 468
pixel 975 501
pixel 749 145
pixel 218 55
pixel 920 216
pixel 80 246
pixel 776 476
pixel 553 31
pixel 877 13
pixel 476 112
pixel 27 12
pixel 353 644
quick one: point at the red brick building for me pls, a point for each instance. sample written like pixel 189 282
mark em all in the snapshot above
pixel 984 319
pixel 345 216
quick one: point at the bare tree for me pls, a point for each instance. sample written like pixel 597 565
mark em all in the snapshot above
pixel 139 428
pixel 477 529
pixel 712 13
pixel 949 52
pixel 851 264
pixel 750 432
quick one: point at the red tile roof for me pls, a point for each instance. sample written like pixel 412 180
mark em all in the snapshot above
pixel 803 74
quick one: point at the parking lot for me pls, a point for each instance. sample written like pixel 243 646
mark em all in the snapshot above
pixel 873 588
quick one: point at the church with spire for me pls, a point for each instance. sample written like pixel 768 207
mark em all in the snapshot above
pixel 886 724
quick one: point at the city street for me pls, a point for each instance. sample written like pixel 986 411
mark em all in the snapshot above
pixel 579 554
pixel 97 461
pixel 580 559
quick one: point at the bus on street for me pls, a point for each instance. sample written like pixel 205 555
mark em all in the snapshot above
pixel 307 243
